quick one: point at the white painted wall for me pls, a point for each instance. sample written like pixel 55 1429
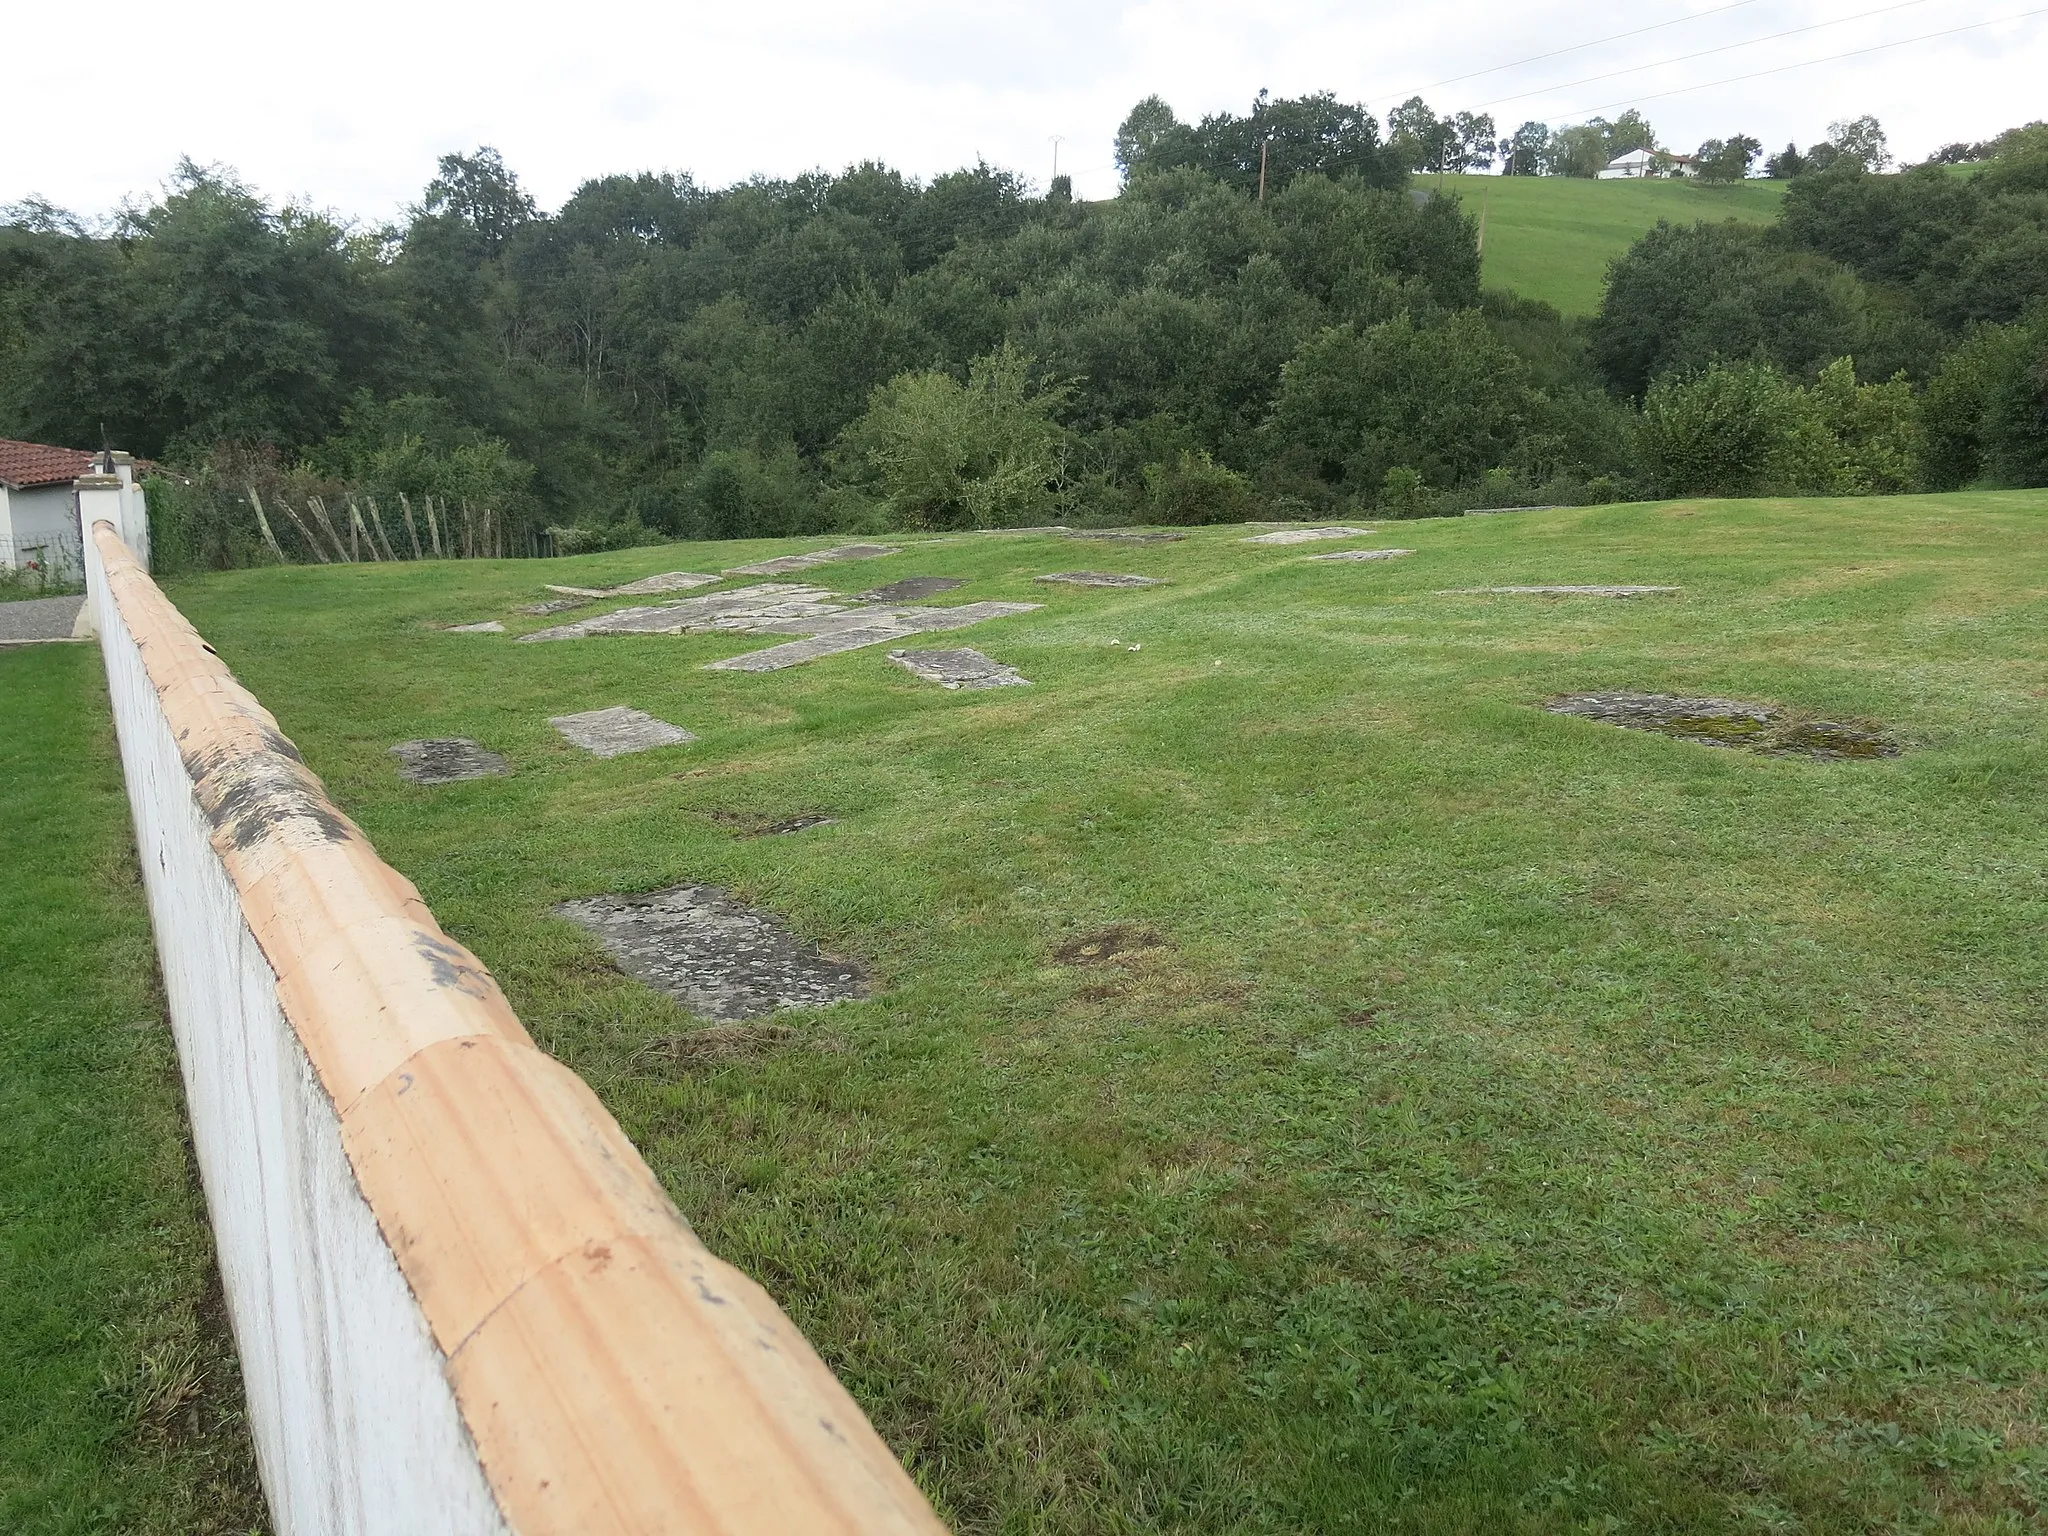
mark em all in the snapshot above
pixel 40 515
pixel 356 1428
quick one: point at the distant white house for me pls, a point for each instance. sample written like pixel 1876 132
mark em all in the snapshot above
pixel 38 515
pixel 1646 162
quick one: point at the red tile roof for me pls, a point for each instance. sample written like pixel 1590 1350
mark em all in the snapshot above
pixel 26 464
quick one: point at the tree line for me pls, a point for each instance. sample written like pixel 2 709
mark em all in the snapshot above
pixel 1269 320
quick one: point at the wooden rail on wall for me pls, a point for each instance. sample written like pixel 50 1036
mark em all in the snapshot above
pixel 605 1372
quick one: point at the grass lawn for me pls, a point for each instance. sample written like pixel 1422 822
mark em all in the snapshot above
pixel 120 1404
pixel 1518 1124
pixel 1551 237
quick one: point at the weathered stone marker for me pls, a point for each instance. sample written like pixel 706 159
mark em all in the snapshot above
pixel 1102 579
pixel 488 627
pixel 1364 554
pixel 447 760
pixel 911 589
pixel 1307 535
pixel 718 957
pixel 959 669
pixel 787 563
pixel 1605 591
pixel 616 731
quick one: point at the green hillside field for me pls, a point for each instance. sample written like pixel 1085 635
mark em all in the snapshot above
pixel 1551 237
pixel 1481 1120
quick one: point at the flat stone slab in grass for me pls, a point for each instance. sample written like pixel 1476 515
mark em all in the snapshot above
pixel 1711 722
pixel 850 632
pixel 959 669
pixel 591 593
pixel 1307 535
pixel 700 614
pixel 616 731
pixel 720 958
pixel 488 627
pixel 667 581
pixel 1549 506
pixel 1601 591
pixel 911 589
pixel 753 824
pixel 1129 535
pixel 447 760
pixel 1102 579
pixel 556 605
pixel 1364 554
pixel 787 563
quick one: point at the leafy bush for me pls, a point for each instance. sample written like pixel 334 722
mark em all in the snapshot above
pixel 1748 430
pixel 1195 489
pixel 986 454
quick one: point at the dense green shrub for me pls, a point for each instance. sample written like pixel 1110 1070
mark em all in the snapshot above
pixel 1195 489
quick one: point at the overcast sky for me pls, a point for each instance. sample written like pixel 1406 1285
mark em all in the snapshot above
pixel 347 107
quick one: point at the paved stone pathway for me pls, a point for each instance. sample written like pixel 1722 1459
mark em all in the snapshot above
pixel 616 731
pixel 721 959
pixel 447 760
pixel 1102 579
pixel 959 669
pixel 1307 535
pixel 36 619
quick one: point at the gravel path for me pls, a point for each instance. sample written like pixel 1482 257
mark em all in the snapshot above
pixel 39 618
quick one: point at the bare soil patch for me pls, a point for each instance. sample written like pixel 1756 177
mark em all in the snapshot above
pixel 1106 944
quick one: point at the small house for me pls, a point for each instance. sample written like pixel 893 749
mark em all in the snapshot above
pixel 1647 162
pixel 38 513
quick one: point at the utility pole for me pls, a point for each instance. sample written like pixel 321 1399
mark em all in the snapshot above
pixel 1264 145
pixel 1057 140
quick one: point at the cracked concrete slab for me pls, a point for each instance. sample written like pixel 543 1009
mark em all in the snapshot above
pixel 616 731
pixel 959 669
pixel 785 564
pixel 447 760
pixel 1307 535
pixel 1599 591
pixel 1101 579
pixel 720 958
pixel 1364 554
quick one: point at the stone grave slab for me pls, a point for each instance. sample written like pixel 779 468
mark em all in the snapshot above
pixel 586 592
pixel 488 627
pixel 1597 591
pixel 1129 535
pixel 753 824
pixel 616 731
pixel 693 614
pixel 1364 554
pixel 1710 722
pixel 1101 579
pixel 785 564
pixel 959 669
pixel 911 589
pixel 667 581
pixel 832 635
pixel 1307 535
pixel 720 958
pixel 555 605
pixel 447 760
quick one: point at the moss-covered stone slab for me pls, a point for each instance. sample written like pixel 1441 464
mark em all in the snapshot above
pixel 785 564
pixel 1364 554
pixel 447 760
pixel 720 958
pixel 1770 729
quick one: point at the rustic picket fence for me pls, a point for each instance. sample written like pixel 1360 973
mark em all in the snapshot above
pixel 457 531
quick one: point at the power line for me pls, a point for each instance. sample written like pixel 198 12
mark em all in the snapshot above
pixel 1703 53
pixel 1852 53
pixel 1612 37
